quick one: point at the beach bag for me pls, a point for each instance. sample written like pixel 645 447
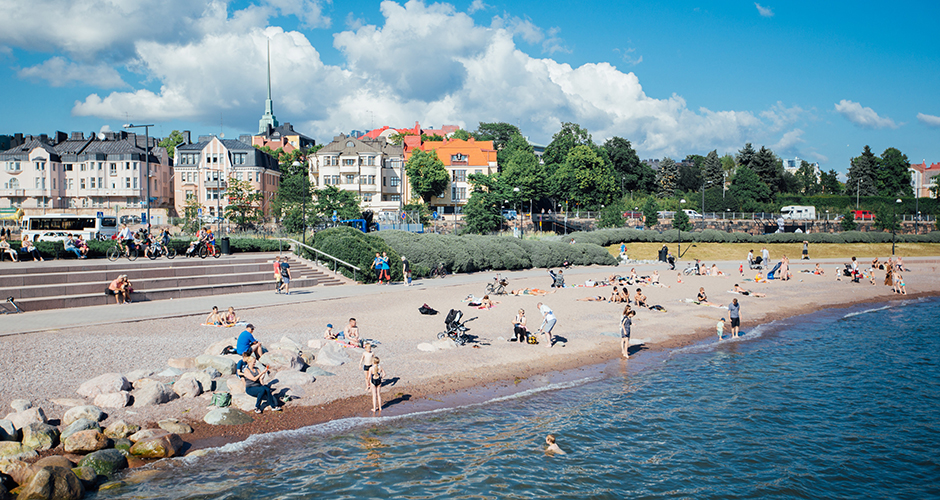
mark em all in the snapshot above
pixel 531 339
pixel 426 309
pixel 228 350
pixel 221 399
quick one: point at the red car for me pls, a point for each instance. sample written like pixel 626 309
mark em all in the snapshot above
pixel 863 215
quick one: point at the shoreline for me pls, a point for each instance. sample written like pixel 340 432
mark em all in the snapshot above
pixel 455 394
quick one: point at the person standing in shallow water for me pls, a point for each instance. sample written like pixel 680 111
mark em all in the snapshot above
pixel 734 312
pixel 626 322
pixel 376 373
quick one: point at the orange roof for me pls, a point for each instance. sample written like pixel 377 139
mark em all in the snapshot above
pixel 478 153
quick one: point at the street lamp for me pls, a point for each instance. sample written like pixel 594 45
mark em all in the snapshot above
pixel 305 193
pixel 681 202
pixel 147 160
pixel 519 214
pixel 894 223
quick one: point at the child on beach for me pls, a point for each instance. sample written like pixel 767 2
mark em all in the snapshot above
pixel 626 322
pixel 679 278
pixel 375 374
pixel 720 328
pixel 552 447
pixel 366 361
pixel 900 283
pixel 351 333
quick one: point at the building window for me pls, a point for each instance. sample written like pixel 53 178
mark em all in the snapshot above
pixel 135 182
pixel 350 179
pixel 113 169
pixel 71 183
pixel 394 181
pixel 13 166
pixel 135 165
pixel 40 165
pixel 478 171
pixel 367 197
pixel 190 194
pixel 100 182
pixel 458 193
pixel 460 176
pixel 370 160
pixel 91 182
pixel 127 182
pixel 83 167
pixel 68 167
pixel 459 159
pixel 349 162
pixel 370 179
pixel 395 197
pixel 13 184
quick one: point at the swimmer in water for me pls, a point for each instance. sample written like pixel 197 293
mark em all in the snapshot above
pixel 552 447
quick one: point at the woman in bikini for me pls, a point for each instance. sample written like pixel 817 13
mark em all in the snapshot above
pixel 376 373
pixel 230 317
pixel 742 291
pixel 596 298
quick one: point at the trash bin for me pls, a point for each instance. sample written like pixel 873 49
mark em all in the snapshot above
pixel 225 247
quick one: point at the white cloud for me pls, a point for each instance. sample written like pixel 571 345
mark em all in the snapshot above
pixel 788 141
pixel 629 57
pixel 477 5
pixel 929 120
pixel 60 73
pixel 764 11
pixel 478 74
pixel 862 116
pixel 781 116
pixel 309 12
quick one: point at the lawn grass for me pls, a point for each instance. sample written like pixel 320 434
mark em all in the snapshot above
pixel 709 252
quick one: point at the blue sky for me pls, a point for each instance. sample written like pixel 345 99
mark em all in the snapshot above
pixel 817 80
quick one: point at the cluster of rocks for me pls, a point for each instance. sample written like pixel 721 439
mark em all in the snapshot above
pixel 92 454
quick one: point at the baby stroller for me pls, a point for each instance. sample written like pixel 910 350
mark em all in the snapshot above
pixel 455 329
pixel 558 280
pixel 756 263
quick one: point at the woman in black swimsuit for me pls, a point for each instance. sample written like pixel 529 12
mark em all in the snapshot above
pixel 375 382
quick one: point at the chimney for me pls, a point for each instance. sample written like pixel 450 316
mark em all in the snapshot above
pixel 78 136
pixel 186 139
pixel 61 137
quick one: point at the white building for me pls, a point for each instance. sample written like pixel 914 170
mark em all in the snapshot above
pixel 373 169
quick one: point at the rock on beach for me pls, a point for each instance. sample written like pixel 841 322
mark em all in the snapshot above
pixel 19 405
pixel 54 483
pixel 225 365
pixel 88 412
pixel 120 429
pixel 86 441
pixel 105 462
pixel 82 424
pixel 12 450
pixel 39 436
pixel 113 400
pixel 165 446
pixel 104 384
pixel 187 388
pixel 8 432
pixel 153 394
pixel 227 416
pixel 174 426
pixel 23 418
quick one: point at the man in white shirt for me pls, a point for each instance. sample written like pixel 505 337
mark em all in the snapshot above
pixel 548 322
pixel 125 237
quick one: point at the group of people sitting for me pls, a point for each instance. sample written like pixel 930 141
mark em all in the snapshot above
pixel 28 247
pixel 217 319
pixel 892 269
pixel 349 335
pixel 121 289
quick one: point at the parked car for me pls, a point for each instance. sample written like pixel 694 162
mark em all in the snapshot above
pixel 54 236
pixel 863 215
pixel 130 219
pixel 692 214
pixel 633 215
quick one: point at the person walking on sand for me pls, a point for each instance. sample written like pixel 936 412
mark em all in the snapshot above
pixel 765 256
pixel 406 270
pixel 548 322
pixel 376 373
pixel 720 329
pixel 734 312
pixel 366 361
pixel 626 322
pixel 385 268
pixel 805 250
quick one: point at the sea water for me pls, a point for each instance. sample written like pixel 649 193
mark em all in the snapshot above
pixel 838 404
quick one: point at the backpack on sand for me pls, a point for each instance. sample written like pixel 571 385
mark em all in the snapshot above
pixel 221 399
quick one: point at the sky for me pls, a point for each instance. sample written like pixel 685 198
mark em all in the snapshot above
pixel 815 80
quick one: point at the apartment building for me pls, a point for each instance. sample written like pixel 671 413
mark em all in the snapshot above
pixel 461 158
pixel 372 168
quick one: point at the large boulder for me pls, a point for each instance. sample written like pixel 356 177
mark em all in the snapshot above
pixel 153 394
pixel 316 371
pixel 225 365
pixel 11 450
pixel 87 476
pixel 52 483
pixel 213 373
pixel 293 378
pixel 113 400
pixel 170 372
pixel 23 418
pixel 332 354
pixel 282 359
pixel 104 384
pixel 18 470
pixel 187 388
pixel 174 426
pixel 86 442
pixel 204 379
pixel 227 416
pixel 89 412
pixel 287 344
pixel 54 460
pixel 82 424
pixel 235 385
pixel 168 445
pixel 316 344
pixel 217 348
pixel 144 382
pixel 105 462
pixel 187 363
pixel 20 404
pixel 138 374
pixel 146 434
pixel 120 429
pixel 40 436
pixel 8 431
pixel 244 402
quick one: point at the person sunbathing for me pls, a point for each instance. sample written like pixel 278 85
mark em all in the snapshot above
pixel 230 318
pixel 615 295
pixel 715 271
pixel 530 291
pixel 633 276
pixel 654 279
pixel 742 291
pixel 639 298
pixel 596 298
pixel 486 302
pixel 819 270
pixel 759 278
pixel 701 298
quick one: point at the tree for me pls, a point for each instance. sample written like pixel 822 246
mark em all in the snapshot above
pixel 427 174
pixel 498 132
pixel 861 179
pixel 191 215
pixel 712 171
pixel 570 136
pixel 746 156
pixel 667 177
pixel 728 165
pixel 681 221
pixel 519 168
pixel 690 174
pixel 244 204
pixel 748 189
pixel 893 176
pixel 768 167
pixel 848 222
pixel 170 142
pixel 935 186
pixel 461 134
pixel 585 178
pixel 788 183
pixel 886 218
pixel 294 162
pixel 289 204
pixel 482 213
pixel 806 178
pixel 829 182
pixel 611 216
pixel 651 212
pixel 331 198
pixel 633 174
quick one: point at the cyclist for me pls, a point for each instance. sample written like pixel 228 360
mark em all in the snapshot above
pixel 210 241
pixel 125 239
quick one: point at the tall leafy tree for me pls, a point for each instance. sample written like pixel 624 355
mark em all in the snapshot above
pixel 498 132
pixel 667 178
pixel 681 221
pixel 633 174
pixel 482 213
pixel 331 198
pixel 745 156
pixel 768 167
pixel 862 176
pixel 848 222
pixel 289 203
pixel 427 174
pixel 570 136
pixel 748 189
pixel 520 169
pixel 171 141
pixel 244 203
pixel 728 165
pixel 585 178
pixel 829 182
pixel 806 177
pixel 893 176
pixel 712 171
pixel 460 134
pixel 690 173
pixel 651 212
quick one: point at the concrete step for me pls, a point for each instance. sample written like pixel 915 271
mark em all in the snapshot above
pixel 106 275
pixel 80 265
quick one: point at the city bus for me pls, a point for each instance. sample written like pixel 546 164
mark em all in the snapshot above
pixel 56 226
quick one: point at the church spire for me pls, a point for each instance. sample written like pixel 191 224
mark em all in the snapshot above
pixel 268 120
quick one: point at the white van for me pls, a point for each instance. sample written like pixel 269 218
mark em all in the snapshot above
pixel 798 212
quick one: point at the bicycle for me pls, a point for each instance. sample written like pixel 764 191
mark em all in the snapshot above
pixel 130 251
pixel 439 271
pixel 207 249
pixel 158 250
pixel 16 308
pixel 497 287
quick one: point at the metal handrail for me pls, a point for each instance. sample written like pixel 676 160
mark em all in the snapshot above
pixel 334 259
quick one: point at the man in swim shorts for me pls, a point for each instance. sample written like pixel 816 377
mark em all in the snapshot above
pixel 548 321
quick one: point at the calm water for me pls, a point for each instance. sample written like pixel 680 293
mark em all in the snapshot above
pixel 841 404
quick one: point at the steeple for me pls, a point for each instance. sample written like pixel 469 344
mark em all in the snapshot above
pixel 268 119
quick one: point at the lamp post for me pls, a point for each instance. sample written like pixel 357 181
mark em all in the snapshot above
pixel 827 221
pixel 305 192
pixel 894 224
pixel 681 202
pixel 147 160
pixel 703 203
pixel 518 215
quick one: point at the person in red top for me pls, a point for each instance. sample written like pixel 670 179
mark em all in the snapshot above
pixel 278 280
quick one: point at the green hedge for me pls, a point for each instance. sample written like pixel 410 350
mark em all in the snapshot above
pixel 607 237
pixel 470 253
pixel 99 249
pixel 357 248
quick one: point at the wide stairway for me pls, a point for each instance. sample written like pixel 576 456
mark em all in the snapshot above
pixel 61 284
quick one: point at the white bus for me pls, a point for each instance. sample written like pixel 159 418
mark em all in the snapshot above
pixel 57 226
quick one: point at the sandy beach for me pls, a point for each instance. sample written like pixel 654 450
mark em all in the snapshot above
pixel 49 365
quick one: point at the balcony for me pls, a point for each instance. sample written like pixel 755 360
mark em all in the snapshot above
pixel 348 169
pixel 214 185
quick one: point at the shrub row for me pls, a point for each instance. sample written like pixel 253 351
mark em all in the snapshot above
pixel 474 252
pixel 606 237
pixel 357 248
pixel 96 249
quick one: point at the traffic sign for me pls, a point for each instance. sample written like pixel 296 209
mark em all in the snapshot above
pixel 199 212
pixel 403 216
pixel 335 217
pixel 143 217
pixel 100 215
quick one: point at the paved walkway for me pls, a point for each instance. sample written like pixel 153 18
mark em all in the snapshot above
pixel 38 321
